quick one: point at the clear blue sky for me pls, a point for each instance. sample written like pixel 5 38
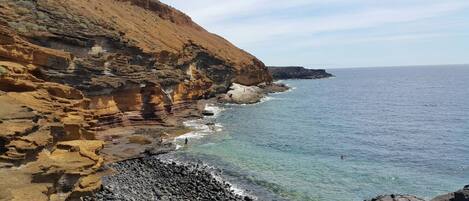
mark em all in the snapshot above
pixel 339 33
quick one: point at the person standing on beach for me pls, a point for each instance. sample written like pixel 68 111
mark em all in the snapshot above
pixel 186 141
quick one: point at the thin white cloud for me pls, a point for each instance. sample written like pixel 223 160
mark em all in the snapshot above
pixel 265 29
pixel 379 39
pixel 208 12
pixel 260 26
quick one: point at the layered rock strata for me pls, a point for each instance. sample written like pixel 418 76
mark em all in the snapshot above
pixel 47 147
pixel 70 69
pixel 136 60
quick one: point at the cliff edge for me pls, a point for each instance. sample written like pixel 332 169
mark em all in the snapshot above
pixel 72 68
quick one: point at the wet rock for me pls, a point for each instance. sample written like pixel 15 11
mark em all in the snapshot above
pixel 394 197
pixel 162 149
pixel 461 195
pixel 150 178
pixel 274 87
pixel 241 94
pixel 208 113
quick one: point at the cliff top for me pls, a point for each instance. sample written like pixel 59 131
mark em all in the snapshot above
pixel 147 24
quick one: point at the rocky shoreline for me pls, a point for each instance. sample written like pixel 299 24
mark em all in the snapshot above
pixel 91 86
pixel 297 72
pixel 151 173
pixel 155 174
pixel 79 78
pixel 151 178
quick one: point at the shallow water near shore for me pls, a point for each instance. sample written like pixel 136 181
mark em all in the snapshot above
pixel 400 130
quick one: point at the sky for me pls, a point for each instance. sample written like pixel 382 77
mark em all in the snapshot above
pixel 339 33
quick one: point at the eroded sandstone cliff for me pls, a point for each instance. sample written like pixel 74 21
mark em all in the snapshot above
pixel 69 68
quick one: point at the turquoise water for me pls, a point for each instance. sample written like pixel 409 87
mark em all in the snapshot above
pixel 400 130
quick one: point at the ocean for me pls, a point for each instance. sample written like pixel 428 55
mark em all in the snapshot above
pixel 366 132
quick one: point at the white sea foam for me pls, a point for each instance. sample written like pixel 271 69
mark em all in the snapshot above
pixel 202 127
pixel 266 98
pixel 236 190
pixel 290 89
pixel 192 135
pixel 263 100
pixel 213 108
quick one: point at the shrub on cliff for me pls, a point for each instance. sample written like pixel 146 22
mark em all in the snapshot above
pixel 3 71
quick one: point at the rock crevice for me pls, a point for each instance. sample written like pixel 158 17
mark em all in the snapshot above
pixel 70 69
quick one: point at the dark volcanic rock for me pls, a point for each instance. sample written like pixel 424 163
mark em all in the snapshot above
pixel 396 198
pixel 297 72
pixel 274 87
pixel 152 179
pixel 461 195
pixel 208 113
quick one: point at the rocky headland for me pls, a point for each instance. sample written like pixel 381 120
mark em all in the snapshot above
pixel 297 72
pixel 80 79
pixel 91 91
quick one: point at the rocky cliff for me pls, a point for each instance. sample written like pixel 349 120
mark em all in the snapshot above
pixel 69 68
pixel 297 72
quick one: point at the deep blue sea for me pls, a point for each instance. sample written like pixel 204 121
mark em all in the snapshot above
pixel 400 130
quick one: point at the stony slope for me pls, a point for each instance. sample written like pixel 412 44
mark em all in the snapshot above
pixel 69 68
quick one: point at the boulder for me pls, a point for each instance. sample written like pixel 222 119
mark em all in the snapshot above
pixel 394 197
pixel 208 113
pixel 461 195
pixel 241 94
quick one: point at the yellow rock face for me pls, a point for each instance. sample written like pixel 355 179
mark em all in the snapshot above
pixel 34 115
pixel 95 65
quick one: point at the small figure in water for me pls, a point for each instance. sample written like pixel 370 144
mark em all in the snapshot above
pixel 342 157
pixel 186 141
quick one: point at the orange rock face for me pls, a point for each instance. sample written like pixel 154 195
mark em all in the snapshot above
pixel 69 68
pixel 43 128
pixel 109 49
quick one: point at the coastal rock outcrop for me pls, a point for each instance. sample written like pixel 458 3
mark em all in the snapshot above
pixel 136 60
pixel 297 72
pixel 396 198
pixel 70 69
pixel 241 94
pixel 460 195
